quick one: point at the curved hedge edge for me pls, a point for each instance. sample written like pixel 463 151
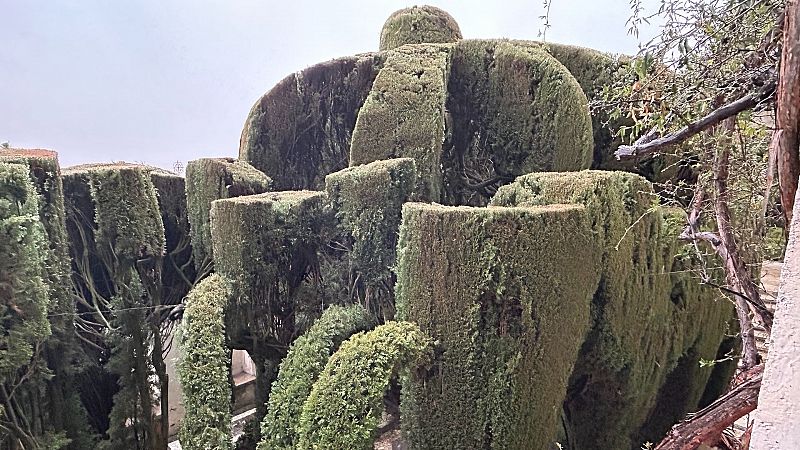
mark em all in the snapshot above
pixel 301 368
pixel 204 366
pixel 418 25
pixel 346 402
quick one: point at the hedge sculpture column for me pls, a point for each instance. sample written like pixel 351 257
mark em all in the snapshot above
pixel 506 292
pixel 210 179
pixel 204 367
pixel 367 202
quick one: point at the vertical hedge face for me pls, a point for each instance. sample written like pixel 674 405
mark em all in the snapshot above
pixel 506 292
pixel 403 116
pixel 418 25
pixel 345 405
pixel 301 368
pixel 300 130
pixel 204 366
pixel 513 109
pixel 645 317
pixel 210 179
pixel 367 201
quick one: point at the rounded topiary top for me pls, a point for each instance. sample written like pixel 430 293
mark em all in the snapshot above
pixel 418 25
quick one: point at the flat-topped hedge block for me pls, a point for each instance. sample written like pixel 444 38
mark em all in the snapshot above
pixel 418 25
pixel 404 114
pixel 210 179
pixel 506 293
pixel 300 130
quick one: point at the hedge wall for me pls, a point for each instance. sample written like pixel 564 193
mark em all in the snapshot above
pixel 418 25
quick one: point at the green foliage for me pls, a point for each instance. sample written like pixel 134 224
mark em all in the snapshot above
pixel 418 25
pixel 301 368
pixel 506 293
pixel 345 404
pixel 300 130
pixel 210 179
pixel 403 116
pixel 204 367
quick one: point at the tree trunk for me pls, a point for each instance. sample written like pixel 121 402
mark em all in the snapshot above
pixel 788 105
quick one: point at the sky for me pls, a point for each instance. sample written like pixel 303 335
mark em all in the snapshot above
pixel 162 81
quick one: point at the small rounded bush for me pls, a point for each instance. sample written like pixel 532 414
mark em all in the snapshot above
pixel 418 25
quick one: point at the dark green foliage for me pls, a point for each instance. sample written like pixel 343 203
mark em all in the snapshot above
pixel 647 314
pixel 345 405
pixel 367 201
pixel 404 115
pixel 300 130
pixel 301 368
pixel 418 25
pixel 506 293
pixel 204 367
pixel 210 179
pixel 513 109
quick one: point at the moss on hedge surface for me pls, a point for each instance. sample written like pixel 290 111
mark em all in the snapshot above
pixel 345 405
pixel 204 366
pixel 300 130
pixel 418 25
pixel 646 318
pixel 301 368
pixel 210 179
pixel 513 109
pixel 403 116
pixel 506 293
pixel 367 202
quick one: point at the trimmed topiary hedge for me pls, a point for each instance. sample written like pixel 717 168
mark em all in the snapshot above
pixel 210 179
pixel 506 293
pixel 301 368
pixel 345 405
pixel 204 367
pixel 418 25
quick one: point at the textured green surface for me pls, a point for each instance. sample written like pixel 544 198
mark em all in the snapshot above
pixel 345 405
pixel 204 367
pixel 647 315
pixel 210 179
pixel 300 130
pixel 404 116
pixel 301 368
pixel 367 201
pixel 506 293
pixel 418 25
pixel 513 109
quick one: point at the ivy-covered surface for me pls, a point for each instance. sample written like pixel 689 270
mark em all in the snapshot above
pixel 204 367
pixel 345 405
pixel 210 179
pixel 506 294
pixel 418 25
pixel 367 202
pixel 300 369
pixel 404 114
pixel 300 130
pixel 513 109
pixel 650 320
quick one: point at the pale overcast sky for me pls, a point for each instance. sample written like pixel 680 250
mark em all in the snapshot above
pixel 159 81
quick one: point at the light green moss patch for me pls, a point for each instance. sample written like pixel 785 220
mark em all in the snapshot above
pixel 300 130
pixel 345 404
pixel 418 25
pixel 301 368
pixel 210 179
pixel 204 367
pixel 506 293
pixel 403 116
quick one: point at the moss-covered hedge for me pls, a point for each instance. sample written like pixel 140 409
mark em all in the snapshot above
pixel 418 25
pixel 301 368
pixel 300 130
pixel 647 314
pixel 210 179
pixel 367 202
pixel 506 293
pixel 346 403
pixel 204 367
pixel 513 109
pixel 404 115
